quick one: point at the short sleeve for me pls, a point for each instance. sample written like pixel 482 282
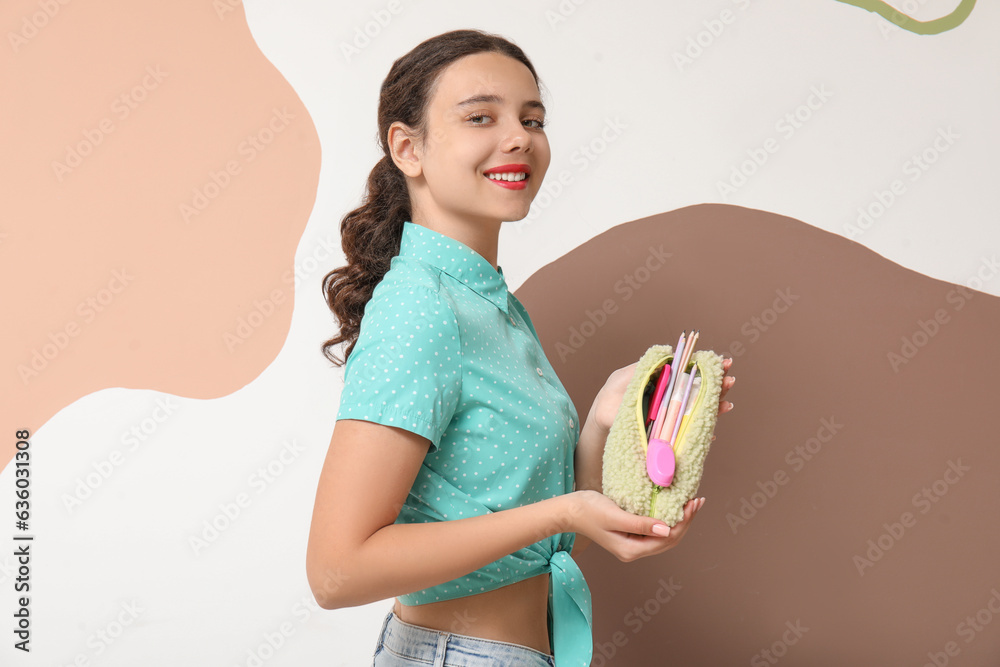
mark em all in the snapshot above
pixel 406 367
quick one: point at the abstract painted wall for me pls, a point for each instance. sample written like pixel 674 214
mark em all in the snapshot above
pixel 810 184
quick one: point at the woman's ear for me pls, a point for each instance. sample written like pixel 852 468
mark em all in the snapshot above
pixel 405 149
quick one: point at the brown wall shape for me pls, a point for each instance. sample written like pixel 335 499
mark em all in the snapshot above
pixel 851 506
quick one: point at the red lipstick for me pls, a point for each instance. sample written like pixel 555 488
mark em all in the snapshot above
pixel 510 168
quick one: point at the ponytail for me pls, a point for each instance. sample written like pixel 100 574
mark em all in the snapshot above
pixel 369 237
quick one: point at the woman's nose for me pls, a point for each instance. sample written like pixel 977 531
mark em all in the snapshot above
pixel 516 135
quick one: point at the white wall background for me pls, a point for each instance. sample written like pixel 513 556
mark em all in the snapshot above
pixel 123 555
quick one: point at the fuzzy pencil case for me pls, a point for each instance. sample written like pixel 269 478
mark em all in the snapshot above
pixel 625 475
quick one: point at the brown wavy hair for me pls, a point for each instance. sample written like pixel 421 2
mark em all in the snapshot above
pixel 370 234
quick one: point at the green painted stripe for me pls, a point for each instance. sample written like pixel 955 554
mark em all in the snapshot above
pixel 905 22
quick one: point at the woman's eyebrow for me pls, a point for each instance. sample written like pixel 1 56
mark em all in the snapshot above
pixel 496 99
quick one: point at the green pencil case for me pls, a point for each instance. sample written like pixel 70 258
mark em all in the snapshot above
pixel 624 474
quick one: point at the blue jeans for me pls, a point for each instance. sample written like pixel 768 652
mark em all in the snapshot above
pixel 403 644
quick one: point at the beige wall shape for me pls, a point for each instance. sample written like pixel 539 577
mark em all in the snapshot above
pixel 158 175
pixel 852 492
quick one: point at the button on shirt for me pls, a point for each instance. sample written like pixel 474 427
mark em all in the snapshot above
pixel 447 352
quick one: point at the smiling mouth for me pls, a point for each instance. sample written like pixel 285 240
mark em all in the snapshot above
pixel 510 180
pixel 510 176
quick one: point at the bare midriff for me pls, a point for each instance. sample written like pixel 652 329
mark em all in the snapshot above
pixel 516 614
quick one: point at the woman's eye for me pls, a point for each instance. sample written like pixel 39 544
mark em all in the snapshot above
pixel 474 118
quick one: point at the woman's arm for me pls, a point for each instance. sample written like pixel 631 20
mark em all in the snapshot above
pixel 588 464
pixel 357 555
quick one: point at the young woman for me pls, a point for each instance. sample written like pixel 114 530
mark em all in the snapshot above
pixel 459 477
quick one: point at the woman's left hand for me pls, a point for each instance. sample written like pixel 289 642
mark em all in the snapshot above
pixel 609 398
pixel 727 382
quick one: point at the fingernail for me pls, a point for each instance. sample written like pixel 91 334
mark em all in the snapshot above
pixel 661 529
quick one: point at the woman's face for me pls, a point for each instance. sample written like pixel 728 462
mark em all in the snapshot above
pixel 484 113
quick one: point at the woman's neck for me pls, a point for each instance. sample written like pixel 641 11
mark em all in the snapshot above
pixel 481 237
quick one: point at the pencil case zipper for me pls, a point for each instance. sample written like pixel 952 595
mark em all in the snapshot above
pixel 682 431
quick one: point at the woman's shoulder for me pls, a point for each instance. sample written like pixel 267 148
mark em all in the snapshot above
pixel 408 276
pixel 409 294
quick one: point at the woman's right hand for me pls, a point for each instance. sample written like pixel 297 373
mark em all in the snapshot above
pixel 622 533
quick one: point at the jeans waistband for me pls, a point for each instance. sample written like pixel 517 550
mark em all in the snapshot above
pixel 429 646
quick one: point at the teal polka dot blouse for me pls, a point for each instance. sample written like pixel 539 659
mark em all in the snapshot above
pixel 447 352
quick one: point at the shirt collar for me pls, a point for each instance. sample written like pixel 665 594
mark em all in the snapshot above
pixel 457 260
